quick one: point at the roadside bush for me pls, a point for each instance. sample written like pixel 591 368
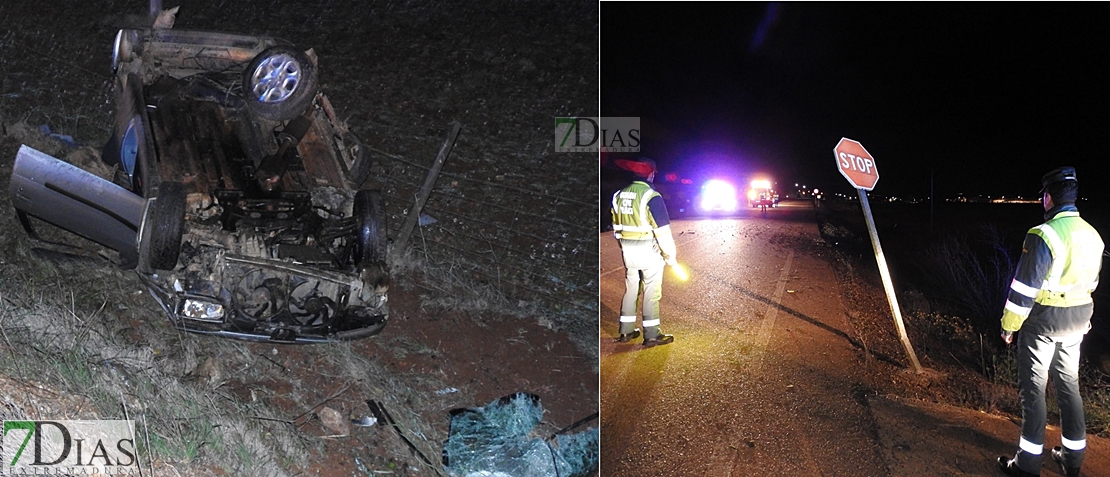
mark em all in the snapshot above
pixel 1096 399
pixel 968 274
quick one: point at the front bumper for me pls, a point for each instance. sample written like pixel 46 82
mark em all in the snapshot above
pixel 255 299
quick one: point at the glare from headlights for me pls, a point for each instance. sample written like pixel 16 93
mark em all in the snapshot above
pixel 761 184
pixel 718 195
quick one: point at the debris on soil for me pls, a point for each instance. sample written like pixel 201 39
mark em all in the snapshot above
pixel 381 414
pixel 37 138
pixel 499 438
pixel 334 421
pixel 365 421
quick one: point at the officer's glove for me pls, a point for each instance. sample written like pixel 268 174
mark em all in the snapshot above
pixel 672 262
pixel 1007 337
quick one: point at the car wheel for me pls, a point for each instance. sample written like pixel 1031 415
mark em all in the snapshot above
pixel 361 160
pixel 162 229
pixel 369 246
pixel 280 83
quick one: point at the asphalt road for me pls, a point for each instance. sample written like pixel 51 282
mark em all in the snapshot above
pixel 763 378
pixel 767 376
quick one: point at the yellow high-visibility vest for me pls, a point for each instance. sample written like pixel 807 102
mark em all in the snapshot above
pixel 1076 258
pixel 631 218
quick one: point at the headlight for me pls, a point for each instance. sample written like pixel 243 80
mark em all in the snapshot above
pixel 202 310
pixel 718 195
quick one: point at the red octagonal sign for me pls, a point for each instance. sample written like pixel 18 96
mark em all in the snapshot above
pixel 856 164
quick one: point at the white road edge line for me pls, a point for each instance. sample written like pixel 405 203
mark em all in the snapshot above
pixel 772 312
pixel 724 451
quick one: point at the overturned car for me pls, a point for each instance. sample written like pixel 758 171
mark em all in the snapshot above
pixel 236 193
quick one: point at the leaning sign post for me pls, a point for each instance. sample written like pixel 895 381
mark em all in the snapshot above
pixel 857 165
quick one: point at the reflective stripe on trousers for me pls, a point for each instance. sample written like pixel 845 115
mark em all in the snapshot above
pixel 1040 357
pixel 642 263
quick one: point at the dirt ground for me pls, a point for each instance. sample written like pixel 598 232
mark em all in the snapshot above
pixel 920 438
pixel 398 72
pixel 426 349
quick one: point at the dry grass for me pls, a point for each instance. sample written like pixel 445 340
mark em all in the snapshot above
pixel 79 345
pixel 969 274
pixel 176 386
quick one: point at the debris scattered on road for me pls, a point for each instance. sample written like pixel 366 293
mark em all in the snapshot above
pixel 447 391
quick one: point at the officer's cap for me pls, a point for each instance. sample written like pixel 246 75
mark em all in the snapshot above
pixel 643 167
pixel 1058 174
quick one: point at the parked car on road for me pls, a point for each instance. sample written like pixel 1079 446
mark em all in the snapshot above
pixel 718 196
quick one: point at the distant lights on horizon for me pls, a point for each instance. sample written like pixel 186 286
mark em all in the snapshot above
pixel 803 190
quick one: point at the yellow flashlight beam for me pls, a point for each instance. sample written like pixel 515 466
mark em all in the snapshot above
pixel 680 272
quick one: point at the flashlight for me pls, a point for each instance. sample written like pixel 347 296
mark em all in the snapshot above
pixel 680 272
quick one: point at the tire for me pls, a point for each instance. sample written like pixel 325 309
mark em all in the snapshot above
pixel 369 240
pixel 280 83
pixel 162 229
pixel 362 160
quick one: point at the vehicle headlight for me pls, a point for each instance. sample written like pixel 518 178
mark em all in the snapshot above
pixel 718 194
pixel 202 310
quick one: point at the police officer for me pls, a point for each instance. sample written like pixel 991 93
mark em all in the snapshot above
pixel 1050 304
pixel 642 226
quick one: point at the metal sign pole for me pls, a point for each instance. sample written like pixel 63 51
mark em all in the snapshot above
pixel 887 284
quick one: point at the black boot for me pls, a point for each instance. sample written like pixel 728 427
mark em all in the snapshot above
pixel 661 339
pixel 1009 467
pixel 626 337
pixel 1058 456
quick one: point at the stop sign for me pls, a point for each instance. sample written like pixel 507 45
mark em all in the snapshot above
pixel 856 164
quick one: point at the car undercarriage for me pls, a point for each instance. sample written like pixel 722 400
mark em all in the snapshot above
pixel 236 191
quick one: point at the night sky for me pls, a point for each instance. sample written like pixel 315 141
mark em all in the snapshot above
pixel 983 97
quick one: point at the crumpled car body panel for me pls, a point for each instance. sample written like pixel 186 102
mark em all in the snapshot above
pixel 236 191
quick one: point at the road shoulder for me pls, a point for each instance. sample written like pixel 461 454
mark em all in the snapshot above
pixel 923 438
